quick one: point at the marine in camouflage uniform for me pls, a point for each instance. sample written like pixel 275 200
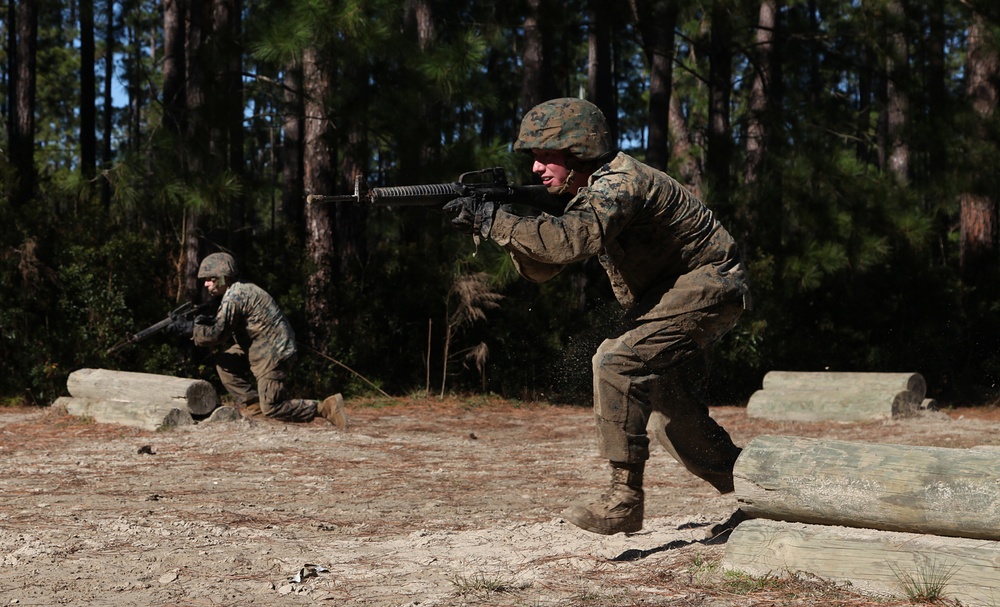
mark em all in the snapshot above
pixel 674 269
pixel 255 367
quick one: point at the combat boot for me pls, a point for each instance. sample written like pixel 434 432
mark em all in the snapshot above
pixel 619 510
pixel 332 408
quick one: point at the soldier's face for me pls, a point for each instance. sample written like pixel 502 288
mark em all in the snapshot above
pixel 214 288
pixel 550 165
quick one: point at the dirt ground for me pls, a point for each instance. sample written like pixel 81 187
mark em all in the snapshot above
pixel 419 503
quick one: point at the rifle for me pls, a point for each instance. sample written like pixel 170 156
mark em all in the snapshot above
pixel 485 184
pixel 186 310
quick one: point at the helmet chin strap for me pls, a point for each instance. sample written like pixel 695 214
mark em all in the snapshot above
pixel 559 191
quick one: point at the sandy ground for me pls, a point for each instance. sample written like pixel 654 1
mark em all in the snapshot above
pixel 420 503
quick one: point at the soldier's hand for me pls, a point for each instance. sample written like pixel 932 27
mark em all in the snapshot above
pixel 204 319
pixel 472 216
pixel 181 326
pixel 465 214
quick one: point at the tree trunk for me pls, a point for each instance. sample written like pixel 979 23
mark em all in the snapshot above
pixel 760 90
pixel 683 152
pixel 863 149
pixel 897 103
pixel 937 87
pixel 719 91
pixel 351 219
pixel 136 100
pixel 764 98
pixel 417 148
pixel 195 139
pixel 292 197
pixel 318 161
pixel 536 73
pixel 23 91
pixel 108 118
pixel 88 92
pixel 600 66
pixel 978 215
pixel 227 82
pixel 656 20
pixel 173 65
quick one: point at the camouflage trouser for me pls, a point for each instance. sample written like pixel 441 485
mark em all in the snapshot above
pixel 268 396
pixel 653 365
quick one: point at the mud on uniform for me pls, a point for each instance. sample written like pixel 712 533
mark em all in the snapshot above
pixel 263 352
pixel 679 276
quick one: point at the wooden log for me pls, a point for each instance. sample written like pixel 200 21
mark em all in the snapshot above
pixel 831 380
pixel 846 405
pixel 196 395
pixel 875 562
pixel 139 415
pixel 952 492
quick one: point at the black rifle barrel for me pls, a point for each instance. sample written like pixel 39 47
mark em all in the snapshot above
pixel 434 194
pixel 412 195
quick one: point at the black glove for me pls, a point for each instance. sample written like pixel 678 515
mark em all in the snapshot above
pixel 204 319
pixel 472 216
pixel 181 326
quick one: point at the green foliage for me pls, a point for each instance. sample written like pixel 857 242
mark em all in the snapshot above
pixel 852 268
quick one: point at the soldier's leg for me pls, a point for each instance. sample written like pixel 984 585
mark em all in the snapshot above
pixel 233 368
pixel 274 402
pixel 621 407
pixel 628 386
pixel 681 422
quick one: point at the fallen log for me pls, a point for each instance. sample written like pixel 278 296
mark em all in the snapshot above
pixel 195 395
pixel 951 492
pixel 146 416
pixel 875 562
pixel 845 405
pixel 834 380
pixel 833 396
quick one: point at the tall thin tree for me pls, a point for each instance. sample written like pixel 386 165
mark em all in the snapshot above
pixel 108 116
pixel 897 108
pixel 720 75
pixel 23 91
pixel 600 63
pixel 536 81
pixel 318 171
pixel 657 20
pixel 88 91
pixel 978 204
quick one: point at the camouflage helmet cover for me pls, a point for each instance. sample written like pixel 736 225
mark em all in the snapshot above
pixel 575 126
pixel 217 265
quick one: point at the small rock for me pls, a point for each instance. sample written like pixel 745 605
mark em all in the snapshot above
pixel 166 578
pixel 224 414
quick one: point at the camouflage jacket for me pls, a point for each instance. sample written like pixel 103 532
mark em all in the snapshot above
pixel 248 314
pixel 653 237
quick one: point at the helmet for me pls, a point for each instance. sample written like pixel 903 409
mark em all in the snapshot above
pixel 575 126
pixel 217 265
